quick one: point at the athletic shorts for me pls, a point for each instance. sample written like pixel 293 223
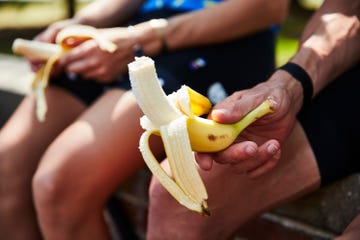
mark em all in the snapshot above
pixel 332 127
pixel 215 71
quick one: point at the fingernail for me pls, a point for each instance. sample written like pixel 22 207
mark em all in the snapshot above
pixel 250 150
pixel 222 112
pixel 272 148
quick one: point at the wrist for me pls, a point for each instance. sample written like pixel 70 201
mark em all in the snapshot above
pixel 151 36
pixel 293 89
pixel 310 61
pixel 136 47
pixel 159 26
pixel 299 74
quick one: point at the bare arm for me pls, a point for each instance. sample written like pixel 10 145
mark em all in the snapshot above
pixel 230 19
pixel 227 20
pixel 329 46
pixel 330 43
pixel 107 13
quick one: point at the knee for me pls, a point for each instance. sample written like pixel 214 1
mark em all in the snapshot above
pixel 158 198
pixel 48 192
pixel 60 200
pixel 52 194
pixel 158 215
pixel 168 219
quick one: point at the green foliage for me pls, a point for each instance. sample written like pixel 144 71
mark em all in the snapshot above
pixel 15 4
pixel 285 49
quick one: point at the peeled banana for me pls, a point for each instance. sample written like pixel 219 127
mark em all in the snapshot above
pixel 176 118
pixel 51 53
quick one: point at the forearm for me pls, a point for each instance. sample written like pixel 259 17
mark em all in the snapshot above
pixel 210 26
pixel 227 20
pixel 330 42
pixel 107 13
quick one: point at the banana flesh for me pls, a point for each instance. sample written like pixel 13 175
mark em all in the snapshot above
pixel 35 49
pixel 51 53
pixel 176 118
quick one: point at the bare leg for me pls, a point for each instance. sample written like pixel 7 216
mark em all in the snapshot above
pixel 235 199
pixel 352 232
pixel 22 142
pixel 86 164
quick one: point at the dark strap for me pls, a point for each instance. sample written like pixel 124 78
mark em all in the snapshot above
pixel 303 77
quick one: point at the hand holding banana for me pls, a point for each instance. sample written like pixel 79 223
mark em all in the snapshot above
pixel 52 52
pixel 176 119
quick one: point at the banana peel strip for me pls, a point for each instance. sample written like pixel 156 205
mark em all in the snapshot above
pixel 39 84
pixel 168 183
pixel 182 161
pixel 51 53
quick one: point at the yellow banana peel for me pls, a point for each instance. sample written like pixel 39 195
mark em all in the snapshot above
pixel 50 53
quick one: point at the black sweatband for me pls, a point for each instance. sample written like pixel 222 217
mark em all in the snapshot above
pixel 303 77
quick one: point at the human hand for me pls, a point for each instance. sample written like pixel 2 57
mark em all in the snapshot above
pixel 88 60
pixel 49 36
pixel 257 149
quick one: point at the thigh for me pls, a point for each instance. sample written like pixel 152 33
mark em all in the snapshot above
pixel 99 150
pixel 23 139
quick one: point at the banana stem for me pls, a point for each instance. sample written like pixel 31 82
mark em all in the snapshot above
pixel 264 108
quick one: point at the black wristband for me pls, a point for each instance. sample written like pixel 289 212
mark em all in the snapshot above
pixel 303 77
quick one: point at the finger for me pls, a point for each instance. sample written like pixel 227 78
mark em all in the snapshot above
pixel 268 152
pixel 99 73
pixel 204 161
pixel 224 111
pixel 83 51
pixel 83 66
pixel 237 153
pixel 269 149
pixel 268 166
pixel 236 106
pixel 264 154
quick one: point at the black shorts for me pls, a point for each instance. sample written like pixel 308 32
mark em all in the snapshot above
pixel 332 127
pixel 230 66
